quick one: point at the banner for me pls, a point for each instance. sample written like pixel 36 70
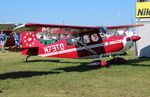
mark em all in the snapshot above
pixel 142 9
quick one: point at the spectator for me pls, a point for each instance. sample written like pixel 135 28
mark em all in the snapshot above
pixel 3 40
pixel 17 39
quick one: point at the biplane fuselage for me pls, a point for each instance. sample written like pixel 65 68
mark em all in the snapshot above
pixel 65 48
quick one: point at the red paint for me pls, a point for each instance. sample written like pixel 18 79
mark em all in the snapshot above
pixel 32 46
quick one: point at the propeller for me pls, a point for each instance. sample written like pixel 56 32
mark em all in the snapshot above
pixel 134 39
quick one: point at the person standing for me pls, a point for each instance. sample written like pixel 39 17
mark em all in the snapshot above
pixel 3 40
pixel 17 39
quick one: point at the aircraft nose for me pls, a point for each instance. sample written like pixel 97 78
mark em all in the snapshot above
pixel 135 38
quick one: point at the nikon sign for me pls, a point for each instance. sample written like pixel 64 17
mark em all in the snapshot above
pixel 143 9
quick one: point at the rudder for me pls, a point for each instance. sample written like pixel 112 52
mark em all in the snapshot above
pixel 29 40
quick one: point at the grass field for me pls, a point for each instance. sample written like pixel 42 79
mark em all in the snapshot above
pixel 42 77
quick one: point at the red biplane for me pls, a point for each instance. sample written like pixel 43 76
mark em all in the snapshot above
pixel 65 41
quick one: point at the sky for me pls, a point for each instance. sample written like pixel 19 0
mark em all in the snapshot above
pixel 69 12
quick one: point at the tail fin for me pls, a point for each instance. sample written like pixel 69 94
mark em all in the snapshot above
pixel 29 40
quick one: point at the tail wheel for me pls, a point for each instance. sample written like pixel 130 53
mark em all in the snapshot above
pixel 26 59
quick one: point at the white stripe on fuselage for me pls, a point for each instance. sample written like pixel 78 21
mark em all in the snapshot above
pixel 80 48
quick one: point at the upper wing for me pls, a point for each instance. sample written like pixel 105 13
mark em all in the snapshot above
pixel 124 26
pixel 67 28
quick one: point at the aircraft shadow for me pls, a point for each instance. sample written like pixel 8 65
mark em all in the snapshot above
pixel 83 67
pixel 135 62
pixel 54 61
pixel 43 61
pixel 24 74
pixel 79 68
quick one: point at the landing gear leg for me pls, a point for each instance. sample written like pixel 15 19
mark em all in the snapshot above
pixel 26 59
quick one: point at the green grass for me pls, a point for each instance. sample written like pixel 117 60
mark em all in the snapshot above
pixel 43 77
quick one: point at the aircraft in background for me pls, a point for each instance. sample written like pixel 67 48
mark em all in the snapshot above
pixel 7 29
pixel 10 38
pixel 66 41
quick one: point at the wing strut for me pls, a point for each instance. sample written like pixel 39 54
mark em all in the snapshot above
pixel 88 49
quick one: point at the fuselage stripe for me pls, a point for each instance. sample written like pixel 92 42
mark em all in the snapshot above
pixel 74 49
